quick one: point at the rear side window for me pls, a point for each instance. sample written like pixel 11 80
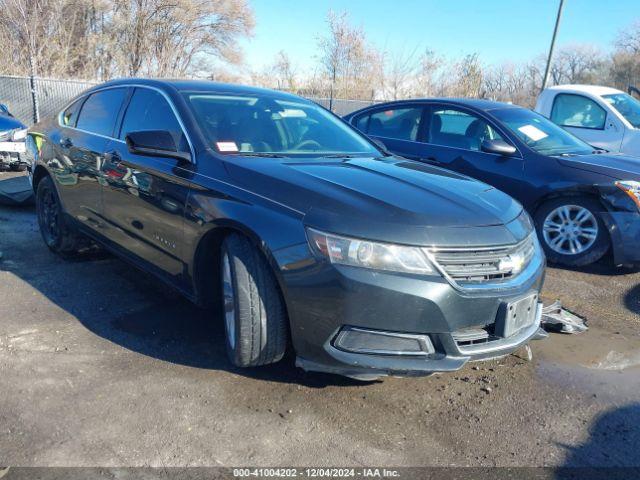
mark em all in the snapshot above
pixel 399 123
pixel 69 117
pixel 149 110
pixel 100 112
pixel 570 110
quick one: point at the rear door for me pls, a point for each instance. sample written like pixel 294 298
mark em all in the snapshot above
pixel 452 139
pixel 86 129
pixel 145 196
pixel 398 127
pixel 588 120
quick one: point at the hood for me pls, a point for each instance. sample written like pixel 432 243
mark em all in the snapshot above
pixel 10 123
pixel 615 165
pixel 388 199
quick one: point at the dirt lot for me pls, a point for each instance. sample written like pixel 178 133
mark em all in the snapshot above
pixel 101 365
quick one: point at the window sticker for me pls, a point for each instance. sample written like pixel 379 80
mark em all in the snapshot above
pixel 532 132
pixel 227 146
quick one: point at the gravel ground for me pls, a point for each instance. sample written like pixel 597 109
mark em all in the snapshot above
pixel 101 365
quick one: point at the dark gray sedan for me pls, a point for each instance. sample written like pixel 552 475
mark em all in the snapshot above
pixel 295 223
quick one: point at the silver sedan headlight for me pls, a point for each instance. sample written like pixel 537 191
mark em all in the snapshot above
pixel 368 254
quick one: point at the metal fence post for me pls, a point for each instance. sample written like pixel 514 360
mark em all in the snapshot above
pixel 34 99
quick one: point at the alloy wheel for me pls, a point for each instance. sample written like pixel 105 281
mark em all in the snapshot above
pixel 229 300
pixel 570 229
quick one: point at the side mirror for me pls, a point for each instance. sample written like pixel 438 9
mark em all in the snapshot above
pixel 4 109
pixel 499 147
pixel 155 143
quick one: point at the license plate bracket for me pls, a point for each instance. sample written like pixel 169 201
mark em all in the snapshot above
pixel 515 315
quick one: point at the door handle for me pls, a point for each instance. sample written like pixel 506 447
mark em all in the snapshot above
pixel 66 142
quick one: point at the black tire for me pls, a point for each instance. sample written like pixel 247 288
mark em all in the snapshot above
pixel 591 254
pixel 56 233
pixel 258 316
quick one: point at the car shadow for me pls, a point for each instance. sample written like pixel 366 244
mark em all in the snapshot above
pixel 611 450
pixel 632 299
pixel 604 266
pixel 148 317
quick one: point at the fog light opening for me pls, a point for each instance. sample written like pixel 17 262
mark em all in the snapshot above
pixel 378 342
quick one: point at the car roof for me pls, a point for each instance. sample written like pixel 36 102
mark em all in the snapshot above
pixel 592 89
pixel 477 103
pixel 198 86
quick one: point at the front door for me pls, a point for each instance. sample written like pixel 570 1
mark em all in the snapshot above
pixel 453 136
pixel 145 196
pixel 588 120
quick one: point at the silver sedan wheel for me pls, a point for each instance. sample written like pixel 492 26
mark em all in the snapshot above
pixel 229 299
pixel 570 229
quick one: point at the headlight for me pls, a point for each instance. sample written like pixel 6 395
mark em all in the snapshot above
pixel 20 134
pixel 631 188
pixel 366 254
pixel 5 134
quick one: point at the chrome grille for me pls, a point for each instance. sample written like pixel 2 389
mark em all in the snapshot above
pixel 482 265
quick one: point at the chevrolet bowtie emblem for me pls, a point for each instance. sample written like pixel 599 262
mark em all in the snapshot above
pixel 512 263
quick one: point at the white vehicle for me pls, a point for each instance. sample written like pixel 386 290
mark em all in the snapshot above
pixel 12 141
pixel 601 116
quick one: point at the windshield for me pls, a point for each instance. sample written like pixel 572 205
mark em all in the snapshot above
pixel 626 105
pixel 540 134
pixel 267 126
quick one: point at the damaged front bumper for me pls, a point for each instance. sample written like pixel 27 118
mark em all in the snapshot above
pixel 624 231
pixel 433 325
pixel 367 366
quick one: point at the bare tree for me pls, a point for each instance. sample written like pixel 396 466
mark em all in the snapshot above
pixel 104 38
pixel 400 74
pixel 352 65
pixel 576 64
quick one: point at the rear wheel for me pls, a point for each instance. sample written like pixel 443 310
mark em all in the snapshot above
pixel 57 235
pixel 571 231
pixel 254 313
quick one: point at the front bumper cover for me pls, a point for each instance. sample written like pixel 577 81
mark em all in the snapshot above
pixel 369 367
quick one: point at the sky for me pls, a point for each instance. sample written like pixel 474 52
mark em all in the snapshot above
pixel 498 30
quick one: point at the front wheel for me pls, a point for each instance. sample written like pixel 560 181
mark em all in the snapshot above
pixel 571 231
pixel 254 312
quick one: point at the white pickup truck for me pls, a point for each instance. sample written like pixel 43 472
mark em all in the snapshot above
pixel 601 116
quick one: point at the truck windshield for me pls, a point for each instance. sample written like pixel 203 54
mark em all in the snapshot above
pixel 269 126
pixel 540 134
pixel 626 105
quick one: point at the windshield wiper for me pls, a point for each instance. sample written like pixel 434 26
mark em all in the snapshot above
pixel 259 154
pixel 340 155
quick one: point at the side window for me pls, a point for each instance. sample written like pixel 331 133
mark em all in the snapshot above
pixel 149 110
pixel 455 128
pixel 361 123
pixel 69 117
pixel 100 112
pixel 400 123
pixel 571 110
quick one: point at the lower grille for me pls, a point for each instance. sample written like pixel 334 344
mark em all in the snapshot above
pixel 474 336
pixel 482 265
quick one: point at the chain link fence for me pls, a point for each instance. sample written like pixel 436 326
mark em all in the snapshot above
pixel 32 99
